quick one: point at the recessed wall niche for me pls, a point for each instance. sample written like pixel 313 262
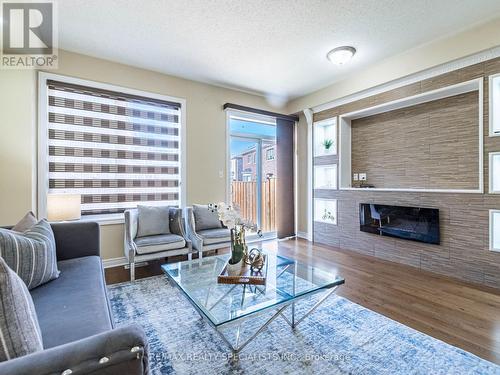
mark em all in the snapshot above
pixel 325 176
pixel 494 172
pixel 495 230
pixel 427 142
pixel 325 210
pixel 325 137
pixel 494 84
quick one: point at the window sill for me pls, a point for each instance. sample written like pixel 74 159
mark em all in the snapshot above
pixel 112 219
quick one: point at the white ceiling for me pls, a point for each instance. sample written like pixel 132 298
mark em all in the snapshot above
pixel 273 47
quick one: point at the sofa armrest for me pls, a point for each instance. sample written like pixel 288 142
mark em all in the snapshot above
pixel 76 239
pixel 124 348
pixel 129 234
pixel 197 240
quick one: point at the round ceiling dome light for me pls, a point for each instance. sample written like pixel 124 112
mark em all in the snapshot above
pixel 341 55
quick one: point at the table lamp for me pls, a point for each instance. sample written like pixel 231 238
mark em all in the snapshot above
pixel 62 207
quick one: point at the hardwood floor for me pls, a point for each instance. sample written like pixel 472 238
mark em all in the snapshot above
pixel 461 314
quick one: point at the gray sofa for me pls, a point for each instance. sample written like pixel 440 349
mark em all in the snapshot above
pixel 75 318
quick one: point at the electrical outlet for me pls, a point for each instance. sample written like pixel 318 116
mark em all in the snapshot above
pixel 362 177
pixel 221 174
pixel 355 177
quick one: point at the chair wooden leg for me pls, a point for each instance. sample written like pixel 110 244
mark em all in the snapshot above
pixel 200 254
pixel 190 256
pixel 132 271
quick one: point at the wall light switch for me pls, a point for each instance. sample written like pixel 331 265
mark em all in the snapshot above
pixel 221 173
pixel 362 176
pixel 355 177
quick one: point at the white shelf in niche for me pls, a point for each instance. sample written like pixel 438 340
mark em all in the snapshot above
pixel 495 230
pixel 325 176
pixel 494 172
pixel 325 210
pixel 323 131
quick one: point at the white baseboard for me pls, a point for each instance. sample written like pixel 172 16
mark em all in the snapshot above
pixel 303 235
pixel 114 262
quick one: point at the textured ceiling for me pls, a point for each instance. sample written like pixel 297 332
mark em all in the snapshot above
pixel 272 47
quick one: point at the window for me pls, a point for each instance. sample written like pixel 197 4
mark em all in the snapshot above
pixel 270 154
pixel 115 148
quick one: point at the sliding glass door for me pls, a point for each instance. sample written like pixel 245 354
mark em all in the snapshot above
pixel 253 171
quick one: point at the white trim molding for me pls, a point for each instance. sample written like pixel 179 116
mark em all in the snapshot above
pixel 308 114
pixel 42 180
pixel 303 235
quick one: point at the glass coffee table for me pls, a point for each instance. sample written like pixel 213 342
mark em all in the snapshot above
pixel 223 305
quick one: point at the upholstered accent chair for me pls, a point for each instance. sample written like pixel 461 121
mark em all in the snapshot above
pixel 205 230
pixel 149 235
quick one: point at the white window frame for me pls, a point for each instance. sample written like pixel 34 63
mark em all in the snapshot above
pixel 270 151
pixel 42 187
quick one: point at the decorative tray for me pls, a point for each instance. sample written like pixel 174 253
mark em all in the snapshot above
pixel 247 276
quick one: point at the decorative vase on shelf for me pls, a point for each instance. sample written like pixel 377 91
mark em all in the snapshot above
pixel 238 251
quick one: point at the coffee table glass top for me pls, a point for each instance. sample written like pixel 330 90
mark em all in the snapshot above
pixel 287 280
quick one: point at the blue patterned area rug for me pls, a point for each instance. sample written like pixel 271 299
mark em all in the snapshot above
pixel 340 337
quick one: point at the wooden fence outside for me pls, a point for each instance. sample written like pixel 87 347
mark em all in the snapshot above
pixel 244 195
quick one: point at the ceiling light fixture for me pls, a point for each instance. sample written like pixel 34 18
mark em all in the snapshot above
pixel 341 55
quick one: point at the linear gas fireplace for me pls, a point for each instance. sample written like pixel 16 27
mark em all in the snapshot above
pixel 410 223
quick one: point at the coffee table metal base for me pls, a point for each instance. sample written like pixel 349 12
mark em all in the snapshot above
pixel 237 347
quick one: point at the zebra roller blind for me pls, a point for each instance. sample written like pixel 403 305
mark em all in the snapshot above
pixel 116 150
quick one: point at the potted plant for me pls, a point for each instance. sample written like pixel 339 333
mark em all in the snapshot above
pixel 231 218
pixel 327 144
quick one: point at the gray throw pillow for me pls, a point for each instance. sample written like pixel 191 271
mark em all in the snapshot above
pixel 19 327
pixel 27 222
pixel 153 220
pixel 32 254
pixel 205 217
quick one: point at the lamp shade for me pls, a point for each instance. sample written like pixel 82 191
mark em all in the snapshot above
pixel 63 207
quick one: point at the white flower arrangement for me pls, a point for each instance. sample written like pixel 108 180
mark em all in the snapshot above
pixel 231 216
